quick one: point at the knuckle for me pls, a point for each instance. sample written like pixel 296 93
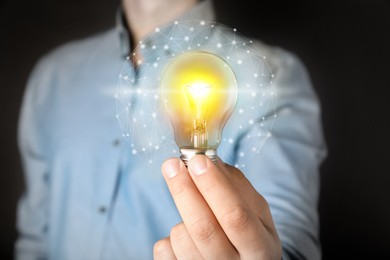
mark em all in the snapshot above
pixel 236 219
pixel 178 232
pixel 179 188
pixel 203 230
pixel 160 248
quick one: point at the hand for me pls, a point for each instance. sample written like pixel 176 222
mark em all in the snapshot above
pixel 224 217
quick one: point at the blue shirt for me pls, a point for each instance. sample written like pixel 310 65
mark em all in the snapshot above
pixel 87 198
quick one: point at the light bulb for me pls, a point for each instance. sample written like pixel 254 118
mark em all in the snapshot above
pixel 199 91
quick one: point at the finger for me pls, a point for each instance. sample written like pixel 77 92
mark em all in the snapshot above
pixel 182 244
pixel 198 218
pixel 237 219
pixel 162 250
pixel 255 201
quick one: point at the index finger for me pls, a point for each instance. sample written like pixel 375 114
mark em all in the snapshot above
pixel 198 218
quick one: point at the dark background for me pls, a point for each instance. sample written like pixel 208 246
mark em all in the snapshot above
pixel 345 46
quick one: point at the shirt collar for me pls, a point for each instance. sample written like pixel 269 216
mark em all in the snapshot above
pixel 202 11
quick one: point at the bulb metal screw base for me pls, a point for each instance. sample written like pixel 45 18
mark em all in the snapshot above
pixel 188 153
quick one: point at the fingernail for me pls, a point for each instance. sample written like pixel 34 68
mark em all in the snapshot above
pixel 171 167
pixel 198 165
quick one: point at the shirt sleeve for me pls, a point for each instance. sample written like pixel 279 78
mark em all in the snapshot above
pixel 32 211
pixel 286 171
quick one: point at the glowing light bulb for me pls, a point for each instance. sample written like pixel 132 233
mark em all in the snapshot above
pixel 199 90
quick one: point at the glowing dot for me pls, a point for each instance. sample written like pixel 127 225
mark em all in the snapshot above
pixel 206 37
pixel 254 149
pixel 150 161
pixel 143 46
pixel 186 38
pixel 134 151
pixel 154 115
pixel 155 64
pixel 117 116
pixel 234 29
pixel 241 111
pixel 176 22
pixel 191 29
pixel 251 121
pixel 157 29
pixel 255 75
pixel 202 23
pixel 166 47
pixel 157 147
pixel 156 97
pixel 239 62
pixel 219 45
pixel 233 42
pixel 254 94
pixel 230 141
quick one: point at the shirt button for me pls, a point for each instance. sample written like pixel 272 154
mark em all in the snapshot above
pixel 102 209
pixel 116 142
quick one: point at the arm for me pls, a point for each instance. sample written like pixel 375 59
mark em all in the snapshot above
pixel 32 215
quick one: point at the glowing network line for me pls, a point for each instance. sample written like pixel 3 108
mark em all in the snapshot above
pixel 139 108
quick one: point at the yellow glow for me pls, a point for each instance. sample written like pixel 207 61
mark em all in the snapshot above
pixel 196 95
pixel 199 90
